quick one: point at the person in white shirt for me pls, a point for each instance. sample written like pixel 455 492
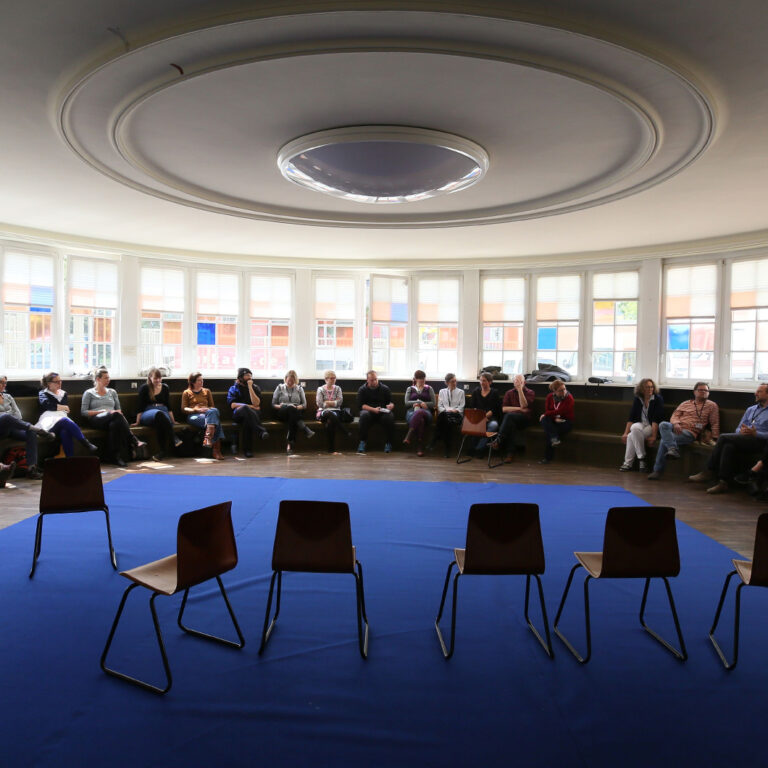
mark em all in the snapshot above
pixel 450 412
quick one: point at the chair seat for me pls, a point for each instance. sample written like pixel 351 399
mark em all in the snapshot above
pixel 592 562
pixel 159 575
pixel 743 569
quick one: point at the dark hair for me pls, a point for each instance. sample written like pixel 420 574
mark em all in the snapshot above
pixel 700 384
pixel 487 376
pixel 150 386
pixel 242 371
pixel 640 388
pixel 99 372
pixel 556 384
pixel 419 375
pixel 47 379
pixel 193 377
pixel 449 376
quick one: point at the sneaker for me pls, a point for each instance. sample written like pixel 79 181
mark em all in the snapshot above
pixel 555 441
pixel 361 447
pixel 33 473
pixel 701 477
pixel 387 447
pixel 626 466
pixel 177 442
pixel 673 453
pixel 6 472
pixel 643 467
pixel 309 433
pixel 654 476
pixel 264 435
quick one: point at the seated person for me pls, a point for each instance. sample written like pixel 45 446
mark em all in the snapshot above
pixel 558 417
pixel 487 399
pixel 685 425
pixel 642 427
pixel 12 425
pixel 54 415
pixel 154 410
pixel 100 406
pixel 197 403
pixel 450 412
pixel 329 400
pixel 517 407
pixel 244 398
pixel 374 402
pixel 289 403
pixel 750 437
pixel 6 472
pixel 419 402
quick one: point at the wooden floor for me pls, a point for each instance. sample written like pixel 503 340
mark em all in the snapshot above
pixel 729 518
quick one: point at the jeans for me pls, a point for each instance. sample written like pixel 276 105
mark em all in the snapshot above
pixel 67 431
pixel 202 420
pixel 481 443
pixel 670 440
pixel 10 426
pixel 418 421
pixel 387 420
pixel 554 429
pixel 161 421
pixel 510 425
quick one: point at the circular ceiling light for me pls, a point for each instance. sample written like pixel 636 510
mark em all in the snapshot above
pixel 383 163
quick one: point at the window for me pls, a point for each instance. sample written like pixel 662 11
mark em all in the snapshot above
pixel 503 311
pixel 690 301
pixel 218 305
pixel 270 312
pixel 389 325
pixel 92 310
pixel 749 321
pixel 558 309
pixel 28 311
pixel 438 326
pixel 614 325
pixel 334 324
pixel 162 318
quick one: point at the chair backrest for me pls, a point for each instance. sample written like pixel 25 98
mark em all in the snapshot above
pixel 504 538
pixel 313 536
pixel 205 544
pixel 759 576
pixel 72 485
pixel 474 422
pixel 640 542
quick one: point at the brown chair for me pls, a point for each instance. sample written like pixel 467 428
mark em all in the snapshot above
pixel 475 425
pixel 314 537
pixel 71 485
pixel 502 539
pixel 752 574
pixel 639 543
pixel 205 549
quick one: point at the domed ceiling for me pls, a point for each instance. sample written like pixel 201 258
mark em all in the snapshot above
pixel 609 130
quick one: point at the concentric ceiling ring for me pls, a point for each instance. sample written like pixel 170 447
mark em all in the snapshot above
pixel 156 132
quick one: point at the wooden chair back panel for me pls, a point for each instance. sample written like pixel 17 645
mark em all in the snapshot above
pixel 72 485
pixel 474 423
pixel 640 542
pixel 313 536
pixel 759 576
pixel 504 538
pixel 205 544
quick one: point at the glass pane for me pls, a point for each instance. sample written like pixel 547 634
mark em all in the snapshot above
pixel 493 337
pixel 602 337
pixel 742 337
pixel 703 336
pixel 546 338
pixel 427 337
pixel 568 361
pixel 447 360
pixel 702 365
pixel 604 312
pixel 513 363
pixel 448 338
pixel 513 337
pixel 742 366
pixel 568 337
pixel 626 337
pixel 602 364
pixel 762 336
pixel 626 312
pixel 625 365
pixel 762 367
pixel 678 337
pixel 677 365
pixel 492 358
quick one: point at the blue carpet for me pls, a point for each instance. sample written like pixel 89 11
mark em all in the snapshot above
pixel 311 699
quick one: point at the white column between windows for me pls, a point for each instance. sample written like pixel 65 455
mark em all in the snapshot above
pixel 650 350
pixel 469 325
pixel 127 362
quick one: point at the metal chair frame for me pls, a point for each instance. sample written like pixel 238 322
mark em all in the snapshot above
pixel 362 618
pixel 86 461
pixel 448 652
pixel 620 572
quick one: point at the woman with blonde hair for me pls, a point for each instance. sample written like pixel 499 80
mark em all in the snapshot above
pixel 642 428
pixel 330 400
pixel 289 403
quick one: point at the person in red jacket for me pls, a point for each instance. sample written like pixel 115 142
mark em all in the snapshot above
pixel 557 419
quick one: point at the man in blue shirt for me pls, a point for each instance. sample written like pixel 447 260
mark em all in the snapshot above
pixel 750 437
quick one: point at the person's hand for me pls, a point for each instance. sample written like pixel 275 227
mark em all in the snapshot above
pixel 489 414
pixel 624 438
pixel 390 406
pixel 677 429
pixel 559 420
pixel 650 442
pixel 541 418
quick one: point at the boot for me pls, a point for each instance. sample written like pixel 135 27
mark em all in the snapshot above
pixel 89 446
pixel 216 452
pixel 208 439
